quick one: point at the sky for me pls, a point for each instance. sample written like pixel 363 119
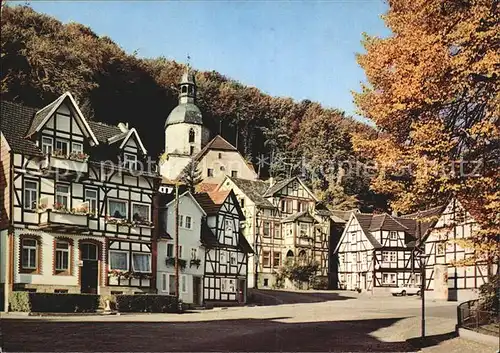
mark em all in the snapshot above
pixel 298 49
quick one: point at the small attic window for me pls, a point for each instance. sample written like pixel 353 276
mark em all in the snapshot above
pixel 191 135
pixel 184 89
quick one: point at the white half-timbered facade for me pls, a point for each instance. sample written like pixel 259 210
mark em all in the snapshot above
pixel 444 278
pixel 376 252
pixel 79 203
pixel 282 223
pixel 226 249
pixel 191 250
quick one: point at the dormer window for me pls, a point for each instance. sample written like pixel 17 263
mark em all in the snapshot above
pixel 47 145
pixel 191 135
pixel 62 147
pixel 130 161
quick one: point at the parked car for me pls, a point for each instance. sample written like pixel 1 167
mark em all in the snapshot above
pixel 409 289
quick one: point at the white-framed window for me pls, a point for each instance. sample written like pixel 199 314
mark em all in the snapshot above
pixel 185 222
pixel 62 147
pixel 183 284
pixel 29 254
pixel 117 208
pixel 47 145
pixel 62 255
pixel 233 258
pixel 30 195
pixel 393 235
pixel 141 212
pixel 276 259
pixel 388 278
pixel 389 256
pixel 129 161
pixel 164 282
pixel 118 260
pixel 62 196
pixel 266 258
pixel 194 253
pixel 91 198
pixel 77 147
pixel 141 262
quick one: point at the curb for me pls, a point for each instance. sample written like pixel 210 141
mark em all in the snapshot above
pixel 478 337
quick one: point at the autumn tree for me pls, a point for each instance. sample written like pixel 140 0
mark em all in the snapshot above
pixel 433 93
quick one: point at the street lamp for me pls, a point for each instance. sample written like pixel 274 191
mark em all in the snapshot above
pixel 423 261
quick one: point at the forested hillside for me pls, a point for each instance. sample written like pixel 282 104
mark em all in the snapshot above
pixel 42 58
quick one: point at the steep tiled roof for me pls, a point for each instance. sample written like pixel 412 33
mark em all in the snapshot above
pixel 218 143
pixel 254 190
pixel 103 131
pixel 206 187
pixel 15 120
pixel 364 221
pixel 211 202
pixel 386 222
pixel 278 186
pixel 428 219
pixel 297 215
pixel 345 215
pixel 42 114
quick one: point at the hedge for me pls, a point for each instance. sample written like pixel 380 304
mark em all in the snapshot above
pixel 147 303
pixel 53 302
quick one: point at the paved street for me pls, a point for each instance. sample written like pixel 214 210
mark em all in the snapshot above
pixel 319 321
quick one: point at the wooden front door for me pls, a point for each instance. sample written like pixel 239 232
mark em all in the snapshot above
pixel 89 275
pixel 197 290
pixel 242 291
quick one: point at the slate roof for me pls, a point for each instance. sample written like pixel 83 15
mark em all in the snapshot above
pixel 254 190
pixel 185 113
pixel 429 218
pixel 42 114
pixel 103 131
pixel 15 120
pixel 364 221
pixel 345 215
pixel 297 215
pixel 207 237
pixel 386 222
pixel 278 186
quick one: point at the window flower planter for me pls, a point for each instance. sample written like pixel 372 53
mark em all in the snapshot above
pixel 170 261
pixel 195 262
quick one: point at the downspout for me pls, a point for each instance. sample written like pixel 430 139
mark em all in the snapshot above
pixel 9 271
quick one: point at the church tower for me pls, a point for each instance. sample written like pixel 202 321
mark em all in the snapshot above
pixel 185 134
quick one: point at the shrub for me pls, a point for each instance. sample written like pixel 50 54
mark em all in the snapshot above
pixel 320 283
pixel 147 303
pixel 19 301
pixel 54 302
pixel 489 295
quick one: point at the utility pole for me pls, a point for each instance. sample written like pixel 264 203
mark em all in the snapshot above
pixel 176 240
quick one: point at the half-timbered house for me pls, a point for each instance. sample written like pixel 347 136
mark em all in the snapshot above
pixel 376 252
pixel 78 199
pixel 226 249
pixel 282 223
pixel 444 278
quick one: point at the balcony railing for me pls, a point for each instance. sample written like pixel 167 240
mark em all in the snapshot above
pixel 56 220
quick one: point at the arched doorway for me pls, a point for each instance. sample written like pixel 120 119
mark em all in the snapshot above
pixel 89 272
pixel 289 257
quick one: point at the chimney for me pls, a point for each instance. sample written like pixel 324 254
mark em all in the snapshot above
pixel 123 127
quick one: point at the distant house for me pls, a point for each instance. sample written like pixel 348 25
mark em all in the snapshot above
pixel 77 208
pixel 282 224
pixel 377 251
pixel 444 278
